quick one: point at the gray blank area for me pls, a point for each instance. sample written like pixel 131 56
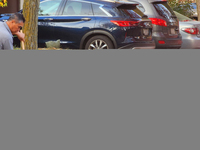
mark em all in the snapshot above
pixel 100 100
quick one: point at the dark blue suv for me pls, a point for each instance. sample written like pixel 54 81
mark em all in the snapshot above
pixel 94 24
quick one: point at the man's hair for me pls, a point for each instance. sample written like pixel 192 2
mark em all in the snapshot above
pixel 18 17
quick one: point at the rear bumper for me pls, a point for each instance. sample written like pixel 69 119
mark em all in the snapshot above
pixel 191 42
pixel 170 43
pixel 140 45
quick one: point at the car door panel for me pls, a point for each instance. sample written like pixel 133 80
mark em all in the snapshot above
pixel 45 28
pixel 70 29
pixel 75 21
pixel 48 12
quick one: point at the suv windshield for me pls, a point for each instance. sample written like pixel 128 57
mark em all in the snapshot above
pixel 164 10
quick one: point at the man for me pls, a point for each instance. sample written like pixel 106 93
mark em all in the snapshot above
pixel 10 28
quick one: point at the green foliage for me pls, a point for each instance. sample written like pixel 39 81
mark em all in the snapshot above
pixel 3 3
pixel 184 8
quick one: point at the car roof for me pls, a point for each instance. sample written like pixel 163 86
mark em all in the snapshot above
pixel 150 1
pixel 110 1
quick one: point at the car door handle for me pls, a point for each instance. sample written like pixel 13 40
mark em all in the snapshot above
pixel 48 19
pixel 85 19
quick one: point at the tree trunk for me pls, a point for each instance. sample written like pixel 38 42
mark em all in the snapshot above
pixel 198 9
pixel 30 29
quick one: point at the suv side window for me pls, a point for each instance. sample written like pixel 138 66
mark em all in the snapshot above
pixel 98 10
pixel 49 8
pixel 111 11
pixel 74 8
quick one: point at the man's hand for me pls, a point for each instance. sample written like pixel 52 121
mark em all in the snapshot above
pixel 20 35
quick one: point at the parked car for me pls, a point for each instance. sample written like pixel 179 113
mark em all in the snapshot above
pixel 190 31
pixel 165 24
pixel 96 24
pixel 194 10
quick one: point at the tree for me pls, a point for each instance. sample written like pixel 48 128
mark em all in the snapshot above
pixel 3 3
pixel 183 7
pixel 30 12
pixel 198 9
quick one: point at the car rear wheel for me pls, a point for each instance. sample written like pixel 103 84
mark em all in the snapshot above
pixel 99 42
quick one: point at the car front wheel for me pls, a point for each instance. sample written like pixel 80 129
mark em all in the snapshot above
pixel 99 42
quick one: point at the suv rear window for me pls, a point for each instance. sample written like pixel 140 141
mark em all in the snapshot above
pixel 130 13
pixel 164 9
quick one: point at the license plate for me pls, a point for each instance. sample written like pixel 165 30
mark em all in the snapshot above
pixel 173 31
pixel 146 31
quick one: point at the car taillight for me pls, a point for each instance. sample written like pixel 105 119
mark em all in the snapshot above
pixel 191 30
pixel 125 23
pixel 161 42
pixel 159 22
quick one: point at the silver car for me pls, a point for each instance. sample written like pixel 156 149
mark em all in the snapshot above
pixel 190 31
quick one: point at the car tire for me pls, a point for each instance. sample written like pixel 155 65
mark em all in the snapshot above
pixel 99 42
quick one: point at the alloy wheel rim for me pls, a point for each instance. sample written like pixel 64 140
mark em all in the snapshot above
pixel 98 44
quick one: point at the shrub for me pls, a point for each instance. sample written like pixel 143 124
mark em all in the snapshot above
pixel 3 3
